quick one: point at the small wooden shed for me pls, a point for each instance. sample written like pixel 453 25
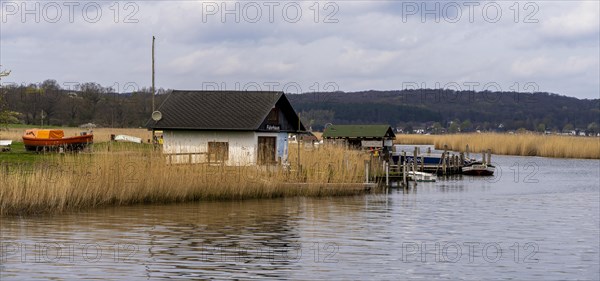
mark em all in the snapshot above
pixel 226 127
pixel 360 136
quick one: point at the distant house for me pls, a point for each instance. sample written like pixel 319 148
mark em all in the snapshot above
pixel 361 136
pixel 226 127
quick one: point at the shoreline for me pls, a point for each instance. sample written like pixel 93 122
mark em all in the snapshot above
pixel 57 183
pixel 551 146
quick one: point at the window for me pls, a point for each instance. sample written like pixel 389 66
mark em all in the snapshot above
pixel 273 117
pixel 218 152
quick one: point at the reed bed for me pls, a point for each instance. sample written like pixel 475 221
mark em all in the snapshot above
pixel 120 174
pixel 513 144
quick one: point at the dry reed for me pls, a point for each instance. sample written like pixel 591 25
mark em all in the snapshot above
pixel 513 144
pixel 124 175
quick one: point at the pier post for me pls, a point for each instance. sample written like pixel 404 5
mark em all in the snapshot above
pixel 404 169
pixel 415 159
pixel 428 150
pixel 366 171
pixel 422 163
pixel 444 163
pixel 387 174
pixel 489 156
pixel 483 157
pixel 467 151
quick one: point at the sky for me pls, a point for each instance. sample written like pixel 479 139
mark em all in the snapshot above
pixel 306 46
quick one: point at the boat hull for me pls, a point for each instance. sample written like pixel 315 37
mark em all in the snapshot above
pixel 478 171
pixel 69 143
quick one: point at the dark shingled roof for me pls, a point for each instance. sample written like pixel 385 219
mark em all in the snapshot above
pixel 216 110
pixel 358 131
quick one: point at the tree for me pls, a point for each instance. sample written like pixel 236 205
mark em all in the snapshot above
pixel 541 127
pixel 6 116
pixel 593 128
pixel 466 126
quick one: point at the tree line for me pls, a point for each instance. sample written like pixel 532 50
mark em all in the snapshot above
pixel 433 110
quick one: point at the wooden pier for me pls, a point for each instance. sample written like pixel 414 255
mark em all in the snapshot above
pixel 387 172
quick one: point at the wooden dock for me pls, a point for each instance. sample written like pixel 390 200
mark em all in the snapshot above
pixel 385 172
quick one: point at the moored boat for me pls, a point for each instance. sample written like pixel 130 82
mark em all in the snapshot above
pixel 478 169
pixel 52 140
pixel 422 176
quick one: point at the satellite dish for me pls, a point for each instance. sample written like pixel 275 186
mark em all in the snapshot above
pixel 156 116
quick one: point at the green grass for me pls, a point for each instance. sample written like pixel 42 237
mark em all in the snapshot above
pixel 18 154
pixel 26 126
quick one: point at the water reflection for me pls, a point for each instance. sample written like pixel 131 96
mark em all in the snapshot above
pixel 451 229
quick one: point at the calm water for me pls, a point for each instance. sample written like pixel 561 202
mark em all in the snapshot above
pixel 537 219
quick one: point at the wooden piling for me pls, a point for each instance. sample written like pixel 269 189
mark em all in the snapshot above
pixel 414 168
pixel 489 156
pixel 404 171
pixel 366 171
pixel 387 174
pixel 444 163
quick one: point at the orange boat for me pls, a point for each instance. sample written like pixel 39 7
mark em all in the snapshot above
pixel 50 140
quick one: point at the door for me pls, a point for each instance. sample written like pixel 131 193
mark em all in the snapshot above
pixel 266 150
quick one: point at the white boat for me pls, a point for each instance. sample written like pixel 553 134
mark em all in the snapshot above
pixel 422 176
pixel 5 145
pixel 478 169
pixel 128 138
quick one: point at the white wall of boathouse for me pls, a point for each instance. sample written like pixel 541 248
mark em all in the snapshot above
pixel 191 147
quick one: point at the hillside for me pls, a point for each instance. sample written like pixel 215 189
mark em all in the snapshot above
pixel 438 110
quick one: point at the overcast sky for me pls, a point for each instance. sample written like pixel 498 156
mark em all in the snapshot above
pixel 304 46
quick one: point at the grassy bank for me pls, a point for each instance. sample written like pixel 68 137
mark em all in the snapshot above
pixel 513 144
pixel 15 132
pixel 126 174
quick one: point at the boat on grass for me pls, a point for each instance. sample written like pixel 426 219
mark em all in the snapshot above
pixel 478 169
pixel 126 138
pixel 53 140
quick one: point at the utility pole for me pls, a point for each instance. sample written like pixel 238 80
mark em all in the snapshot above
pixel 153 89
pixel 298 141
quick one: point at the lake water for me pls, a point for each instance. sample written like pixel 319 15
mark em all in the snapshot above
pixel 537 219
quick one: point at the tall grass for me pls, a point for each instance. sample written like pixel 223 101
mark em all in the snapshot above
pixel 128 175
pixel 513 144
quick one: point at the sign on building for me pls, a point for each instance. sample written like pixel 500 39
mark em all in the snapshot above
pixel 372 143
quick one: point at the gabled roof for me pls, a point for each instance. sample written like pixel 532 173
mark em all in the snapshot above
pixel 358 131
pixel 220 110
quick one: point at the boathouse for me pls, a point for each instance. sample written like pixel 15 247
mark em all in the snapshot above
pixel 226 127
pixel 360 136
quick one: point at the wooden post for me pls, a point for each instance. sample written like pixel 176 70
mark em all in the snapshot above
pixel 422 163
pixel 462 159
pixel 366 171
pixel 489 156
pixel 387 174
pixel 429 150
pixel 415 159
pixel 404 171
pixel 467 151
pixel 456 163
pixel 444 157
pixel 153 87
pixel 483 157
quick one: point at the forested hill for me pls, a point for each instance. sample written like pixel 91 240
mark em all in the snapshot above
pixel 425 107
pixel 445 110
